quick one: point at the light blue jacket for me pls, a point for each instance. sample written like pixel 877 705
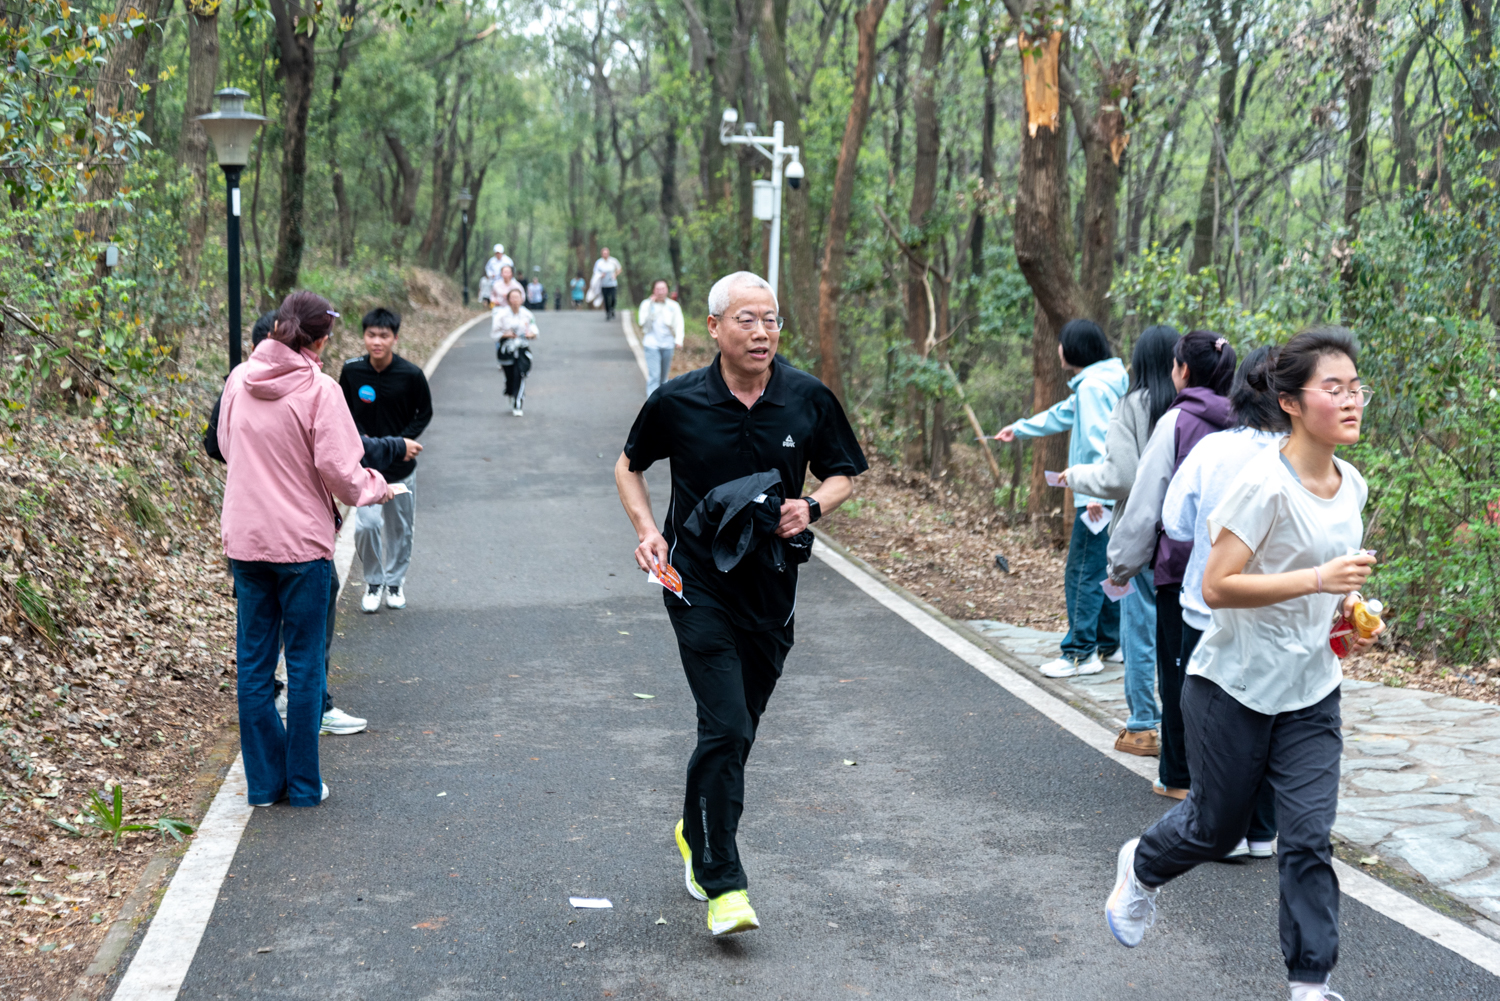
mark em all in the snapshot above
pixel 1085 414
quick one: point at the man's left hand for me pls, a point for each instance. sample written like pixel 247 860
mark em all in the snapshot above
pixel 795 516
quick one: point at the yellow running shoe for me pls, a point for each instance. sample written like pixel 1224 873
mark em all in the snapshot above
pixel 731 913
pixel 687 862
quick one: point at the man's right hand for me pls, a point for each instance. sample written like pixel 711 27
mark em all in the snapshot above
pixel 413 449
pixel 652 552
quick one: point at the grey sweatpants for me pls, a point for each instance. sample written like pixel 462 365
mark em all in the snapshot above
pixel 382 537
pixel 1230 748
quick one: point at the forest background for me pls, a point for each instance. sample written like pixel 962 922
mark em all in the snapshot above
pixel 977 173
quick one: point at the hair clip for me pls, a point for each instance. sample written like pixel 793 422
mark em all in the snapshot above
pixel 333 313
pixel 1219 344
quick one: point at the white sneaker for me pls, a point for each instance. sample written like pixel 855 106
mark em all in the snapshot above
pixel 336 721
pixel 1313 992
pixel 1131 908
pixel 370 603
pixel 1261 849
pixel 1240 850
pixel 1091 666
pixel 1118 657
pixel 515 411
pixel 325 793
pixel 394 598
pixel 281 704
pixel 1062 667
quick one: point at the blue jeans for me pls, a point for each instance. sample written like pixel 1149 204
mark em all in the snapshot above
pixel 1093 620
pixel 1138 636
pixel 285 602
pixel 658 367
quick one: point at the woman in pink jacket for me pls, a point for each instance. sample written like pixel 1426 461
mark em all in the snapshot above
pixel 292 447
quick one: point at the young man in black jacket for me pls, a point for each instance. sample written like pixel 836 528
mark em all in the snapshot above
pixel 387 395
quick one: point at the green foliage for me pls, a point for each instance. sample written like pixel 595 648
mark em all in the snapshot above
pixel 34 606
pixel 109 817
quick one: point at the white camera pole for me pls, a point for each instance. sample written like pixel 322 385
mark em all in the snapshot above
pixel 784 163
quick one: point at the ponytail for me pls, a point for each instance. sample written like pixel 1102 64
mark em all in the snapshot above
pixel 303 319
pixel 1209 360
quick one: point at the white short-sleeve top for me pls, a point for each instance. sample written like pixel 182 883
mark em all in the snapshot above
pixel 1277 659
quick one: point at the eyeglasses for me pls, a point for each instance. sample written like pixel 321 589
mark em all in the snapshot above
pixel 748 322
pixel 1341 395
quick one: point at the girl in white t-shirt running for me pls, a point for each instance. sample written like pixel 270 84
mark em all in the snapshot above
pixel 1261 700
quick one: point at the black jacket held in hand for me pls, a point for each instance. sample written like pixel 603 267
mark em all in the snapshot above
pixel 743 516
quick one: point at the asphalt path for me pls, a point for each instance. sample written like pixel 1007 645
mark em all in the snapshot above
pixel 510 765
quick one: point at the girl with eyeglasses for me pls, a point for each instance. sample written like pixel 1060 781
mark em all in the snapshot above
pixel 1261 700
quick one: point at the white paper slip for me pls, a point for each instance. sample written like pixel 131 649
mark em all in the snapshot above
pixel 400 488
pixel 1054 479
pixel 1116 593
pixel 596 903
pixel 1097 526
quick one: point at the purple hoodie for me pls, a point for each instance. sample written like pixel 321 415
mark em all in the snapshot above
pixel 1202 412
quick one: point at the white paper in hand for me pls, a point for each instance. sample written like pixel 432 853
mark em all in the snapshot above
pixel 1114 593
pixel 1054 479
pixel 1097 526
pixel 400 488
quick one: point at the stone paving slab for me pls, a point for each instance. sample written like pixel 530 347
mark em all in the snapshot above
pixel 1420 777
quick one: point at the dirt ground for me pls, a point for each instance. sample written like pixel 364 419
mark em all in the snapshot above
pixel 116 662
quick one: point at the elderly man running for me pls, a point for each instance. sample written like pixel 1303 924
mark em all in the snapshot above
pixel 741 433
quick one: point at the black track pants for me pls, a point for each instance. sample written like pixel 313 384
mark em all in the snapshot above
pixel 1232 749
pixel 732 673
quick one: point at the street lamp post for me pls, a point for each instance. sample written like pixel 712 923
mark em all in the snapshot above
pixel 232 129
pixel 784 163
pixel 464 201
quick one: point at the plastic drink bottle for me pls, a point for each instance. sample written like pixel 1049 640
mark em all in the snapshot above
pixel 1361 623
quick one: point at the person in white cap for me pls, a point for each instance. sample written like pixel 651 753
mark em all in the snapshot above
pixel 492 270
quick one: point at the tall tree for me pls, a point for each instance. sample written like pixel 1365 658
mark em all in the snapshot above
pixel 114 99
pixel 831 281
pixel 1227 28
pixel 920 315
pixel 344 247
pixel 192 148
pixel 1361 62
pixel 785 108
pixel 296 39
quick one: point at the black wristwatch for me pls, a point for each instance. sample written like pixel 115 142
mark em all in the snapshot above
pixel 814 509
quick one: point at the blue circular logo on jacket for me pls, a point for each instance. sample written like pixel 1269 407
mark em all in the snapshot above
pixel 367 393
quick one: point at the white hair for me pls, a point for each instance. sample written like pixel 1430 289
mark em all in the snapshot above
pixel 718 296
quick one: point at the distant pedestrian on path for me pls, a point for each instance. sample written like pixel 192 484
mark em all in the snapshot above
pixel 504 285
pixel 492 272
pixel 662 333
pixel 387 395
pixel 291 448
pixel 1151 393
pixel 745 425
pixel 1262 694
pixel 536 294
pixel 576 289
pixel 1098 381
pixel 607 276
pixel 514 328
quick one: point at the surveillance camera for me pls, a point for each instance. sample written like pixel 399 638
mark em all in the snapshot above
pixel 731 116
pixel 794 174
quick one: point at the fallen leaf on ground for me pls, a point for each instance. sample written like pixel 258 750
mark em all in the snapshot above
pixel 848 762
pixel 662 920
pixel 1370 860
pixel 580 945
pixel 640 695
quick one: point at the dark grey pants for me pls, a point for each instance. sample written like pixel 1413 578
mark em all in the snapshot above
pixel 1230 749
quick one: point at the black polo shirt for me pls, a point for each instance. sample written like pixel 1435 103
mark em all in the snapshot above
pixel 712 438
pixel 395 402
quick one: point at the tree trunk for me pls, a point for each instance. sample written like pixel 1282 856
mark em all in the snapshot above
pixel 671 206
pixel 1048 386
pixel 1205 225
pixel 919 318
pixel 444 159
pixel 830 283
pixel 1402 134
pixel 798 276
pixel 348 11
pixel 1145 194
pixel 115 95
pixel 1362 62
pixel 203 73
pixel 298 53
pixel 1104 145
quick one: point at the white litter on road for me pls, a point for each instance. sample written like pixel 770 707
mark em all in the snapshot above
pixel 591 903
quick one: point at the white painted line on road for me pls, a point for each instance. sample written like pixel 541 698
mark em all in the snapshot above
pixel 161 964
pixel 449 341
pixel 1452 935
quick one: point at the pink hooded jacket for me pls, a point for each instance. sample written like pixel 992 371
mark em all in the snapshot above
pixel 286 433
